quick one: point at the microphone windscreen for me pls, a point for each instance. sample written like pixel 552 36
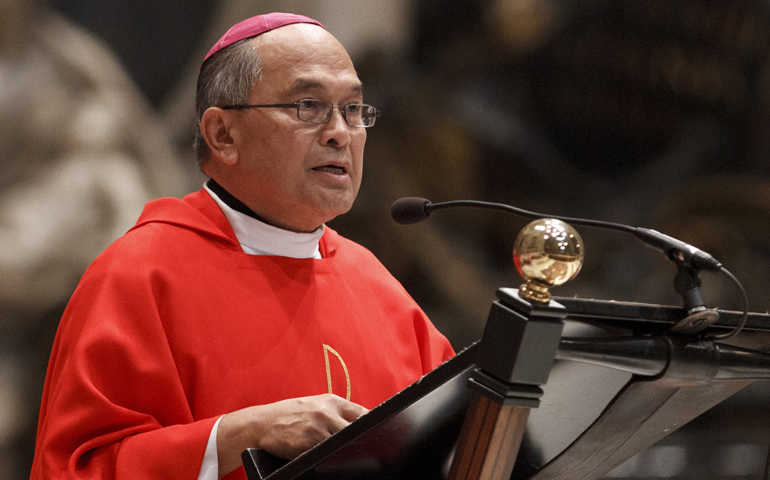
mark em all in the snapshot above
pixel 409 210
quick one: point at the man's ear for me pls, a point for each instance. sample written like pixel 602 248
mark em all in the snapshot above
pixel 215 129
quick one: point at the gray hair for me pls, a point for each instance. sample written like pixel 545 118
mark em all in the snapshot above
pixel 226 78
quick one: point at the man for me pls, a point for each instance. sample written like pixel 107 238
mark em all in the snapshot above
pixel 234 318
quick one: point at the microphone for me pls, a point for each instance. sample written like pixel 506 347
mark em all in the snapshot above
pixel 677 250
pixel 411 210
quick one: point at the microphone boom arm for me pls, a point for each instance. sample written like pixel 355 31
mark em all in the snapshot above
pixel 689 260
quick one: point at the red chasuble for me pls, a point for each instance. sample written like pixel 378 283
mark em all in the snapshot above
pixel 174 326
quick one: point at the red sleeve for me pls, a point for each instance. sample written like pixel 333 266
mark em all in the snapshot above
pixel 113 403
pixel 434 347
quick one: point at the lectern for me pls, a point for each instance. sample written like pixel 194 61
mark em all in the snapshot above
pixel 460 420
pixel 526 401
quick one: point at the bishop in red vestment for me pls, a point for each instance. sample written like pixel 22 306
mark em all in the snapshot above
pixel 175 326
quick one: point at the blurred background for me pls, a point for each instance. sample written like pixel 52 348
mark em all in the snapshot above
pixel 646 112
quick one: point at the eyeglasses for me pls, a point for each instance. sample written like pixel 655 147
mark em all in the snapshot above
pixel 319 111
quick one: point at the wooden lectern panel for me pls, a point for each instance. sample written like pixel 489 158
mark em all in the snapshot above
pixel 489 441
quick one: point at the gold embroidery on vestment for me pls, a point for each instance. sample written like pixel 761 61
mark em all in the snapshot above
pixel 328 349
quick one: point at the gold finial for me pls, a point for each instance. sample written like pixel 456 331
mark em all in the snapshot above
pixel 547 253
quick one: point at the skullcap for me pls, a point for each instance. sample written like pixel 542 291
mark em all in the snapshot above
pixel 251 27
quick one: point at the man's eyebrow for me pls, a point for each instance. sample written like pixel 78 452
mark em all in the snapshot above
pixel 304 85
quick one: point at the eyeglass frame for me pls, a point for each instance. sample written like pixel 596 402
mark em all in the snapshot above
pixel 296 105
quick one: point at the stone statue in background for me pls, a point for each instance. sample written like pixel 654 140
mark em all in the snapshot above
pixel 81 152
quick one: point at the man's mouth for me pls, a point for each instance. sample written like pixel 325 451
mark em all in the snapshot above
pixel 331 169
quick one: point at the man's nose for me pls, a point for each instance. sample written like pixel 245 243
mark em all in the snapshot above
pixel 337 130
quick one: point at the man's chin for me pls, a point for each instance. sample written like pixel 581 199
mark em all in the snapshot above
pixel 330 212
pixel 315 219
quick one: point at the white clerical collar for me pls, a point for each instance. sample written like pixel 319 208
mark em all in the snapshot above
pixel 259 238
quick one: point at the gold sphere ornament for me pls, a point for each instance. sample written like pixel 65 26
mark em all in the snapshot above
pixel 547 253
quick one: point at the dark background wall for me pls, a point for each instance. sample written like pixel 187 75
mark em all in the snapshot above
pixel 153 40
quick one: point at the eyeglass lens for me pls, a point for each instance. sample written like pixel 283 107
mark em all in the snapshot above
pixel 319 111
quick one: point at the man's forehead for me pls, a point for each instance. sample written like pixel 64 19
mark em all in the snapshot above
pixel 301 59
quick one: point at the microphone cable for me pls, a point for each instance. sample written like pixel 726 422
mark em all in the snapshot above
pixel 744 317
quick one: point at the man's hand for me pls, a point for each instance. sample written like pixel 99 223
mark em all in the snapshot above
pixel 285 429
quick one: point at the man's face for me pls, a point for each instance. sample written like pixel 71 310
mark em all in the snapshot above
pixel 295 174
